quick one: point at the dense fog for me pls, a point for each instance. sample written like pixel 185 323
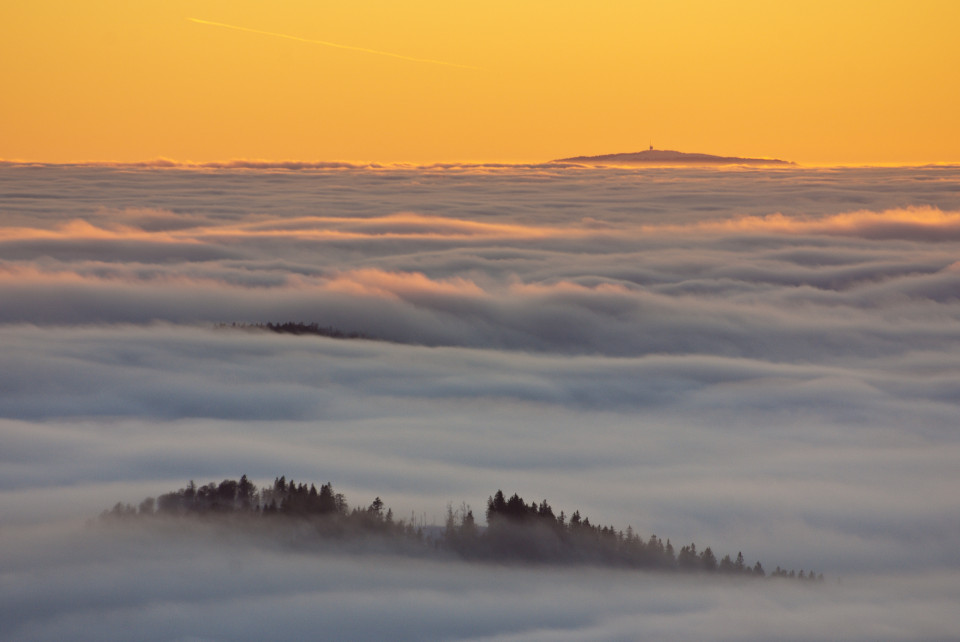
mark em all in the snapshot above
pixel 762 360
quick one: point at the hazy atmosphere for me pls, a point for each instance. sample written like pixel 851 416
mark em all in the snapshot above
pixel 763 360
pixel 822 81
pixel 479 320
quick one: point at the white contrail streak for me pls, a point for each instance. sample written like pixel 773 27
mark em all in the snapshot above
pixel 331 44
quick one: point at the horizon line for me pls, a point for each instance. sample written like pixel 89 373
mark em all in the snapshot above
pixel 292 163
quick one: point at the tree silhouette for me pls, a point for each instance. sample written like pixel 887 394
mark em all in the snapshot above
pixel 515 530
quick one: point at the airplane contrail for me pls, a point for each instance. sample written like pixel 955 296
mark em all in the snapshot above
pixel 331 44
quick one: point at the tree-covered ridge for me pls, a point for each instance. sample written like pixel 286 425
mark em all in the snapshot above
pixel 515 531
pixel 298 328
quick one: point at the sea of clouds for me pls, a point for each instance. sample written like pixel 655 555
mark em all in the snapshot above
pixel 756 360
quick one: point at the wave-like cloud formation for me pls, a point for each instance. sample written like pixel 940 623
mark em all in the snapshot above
pixel 916 224
pixel 919 224
pixel 810 285
pixel 766 358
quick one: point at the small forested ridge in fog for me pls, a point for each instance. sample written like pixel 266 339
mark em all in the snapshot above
pixel 515 531
pixel 291 327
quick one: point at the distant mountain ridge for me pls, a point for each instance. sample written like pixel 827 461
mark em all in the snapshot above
pixel 669 157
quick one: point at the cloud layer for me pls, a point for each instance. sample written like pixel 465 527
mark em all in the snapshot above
pixel 758 360
pixel 241 591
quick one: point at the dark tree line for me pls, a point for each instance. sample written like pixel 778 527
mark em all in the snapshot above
pixel 323 507
pixel 298 328
pixel 515 530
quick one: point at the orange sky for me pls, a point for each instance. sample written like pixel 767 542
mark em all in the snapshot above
pixel 524 80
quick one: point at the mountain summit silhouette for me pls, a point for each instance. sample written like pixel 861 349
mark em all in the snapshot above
pixel 668 157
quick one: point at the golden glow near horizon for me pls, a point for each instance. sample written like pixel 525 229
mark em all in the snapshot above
pixel 429 81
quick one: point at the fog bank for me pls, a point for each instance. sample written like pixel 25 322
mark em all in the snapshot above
pixel 765 360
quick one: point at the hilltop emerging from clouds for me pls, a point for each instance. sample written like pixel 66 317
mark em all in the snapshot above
pixel 668 157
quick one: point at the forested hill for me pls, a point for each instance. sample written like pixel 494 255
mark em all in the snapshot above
pixel 296 327
pixel 515 531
